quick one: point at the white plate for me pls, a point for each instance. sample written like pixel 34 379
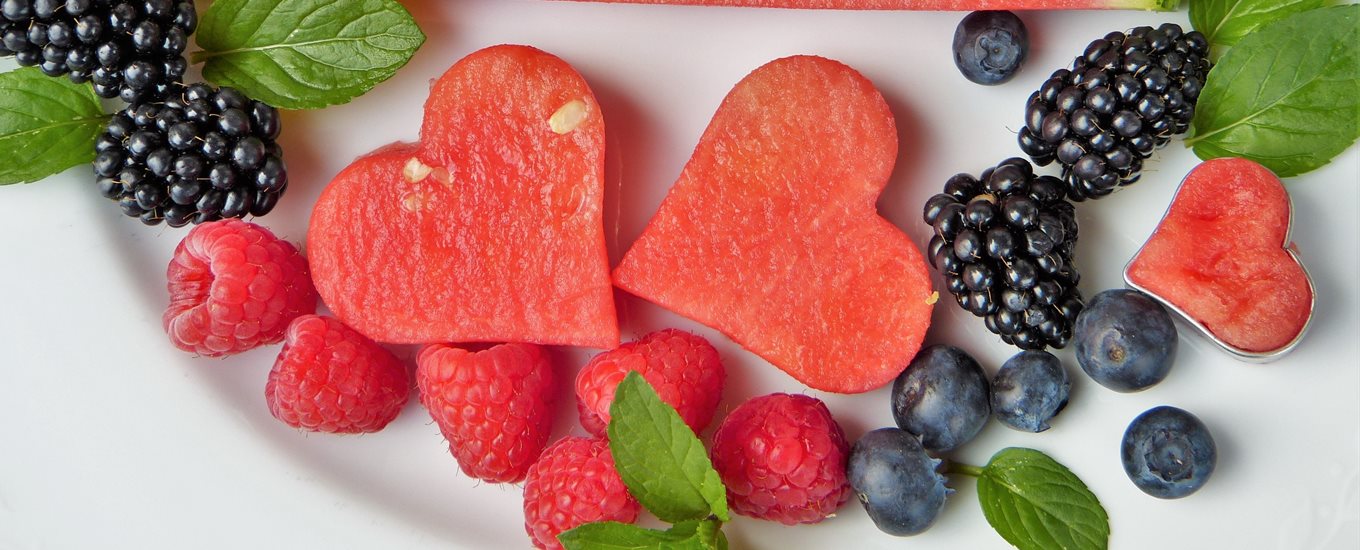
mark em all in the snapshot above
pixel 112 438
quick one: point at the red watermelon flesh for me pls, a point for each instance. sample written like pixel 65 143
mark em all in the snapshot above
pixel 1220 257
pixel 490 228
pixel 771 236
pixel 934 5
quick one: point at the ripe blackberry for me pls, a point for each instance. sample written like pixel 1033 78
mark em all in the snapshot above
pixel 1004 244
pixel 1125 96
pixel 200 154
pixel 131 50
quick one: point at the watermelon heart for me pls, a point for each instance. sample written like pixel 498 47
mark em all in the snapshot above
pixel 1221 258
pixel 488 229
pixel 770 235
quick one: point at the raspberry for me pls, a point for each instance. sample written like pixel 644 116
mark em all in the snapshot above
pixel 329 378
pixel 574 483
pixel 493 406
pixel 131 50
pixel 234 286
pixel 783 459
pixel 683 368
pixel 201 154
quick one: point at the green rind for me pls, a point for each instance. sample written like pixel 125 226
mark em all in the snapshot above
pixel 1035 503
pixel 659 458
pixel 46 125
pixel 1286 96
pixel 305 54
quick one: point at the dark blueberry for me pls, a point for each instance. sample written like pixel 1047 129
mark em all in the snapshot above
pixel 941 397
pixel 1125 340
pixel 990 46
pixel 1168 452
pixel 896 481
pixel 1030 389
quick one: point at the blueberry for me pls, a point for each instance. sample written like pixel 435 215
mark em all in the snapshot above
pixel 1168 452
pixel 896 481
pixel 1029 390
pixel 1126 341
pixel 941 397
pixel 989 46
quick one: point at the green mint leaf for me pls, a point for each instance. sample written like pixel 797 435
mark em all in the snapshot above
pixel 305 54
pixel 1287 95
pixel 1227 21
pixel 1035 503
pixel 46 125
pixel 660 460
pixel 609 535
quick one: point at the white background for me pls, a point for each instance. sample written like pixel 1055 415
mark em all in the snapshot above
pixel 110 437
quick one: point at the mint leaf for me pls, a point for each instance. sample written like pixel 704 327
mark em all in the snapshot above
pixel 1227 21
pixel 1037 504
pixel 1287 95
pixel 660 460
pixel 610 535
pixel 305 54
pixel 46 125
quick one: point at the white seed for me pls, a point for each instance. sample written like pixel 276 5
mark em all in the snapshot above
pixel 415 171
pixel 568 116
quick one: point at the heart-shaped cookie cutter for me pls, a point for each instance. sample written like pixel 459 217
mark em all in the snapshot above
pixel 1241 354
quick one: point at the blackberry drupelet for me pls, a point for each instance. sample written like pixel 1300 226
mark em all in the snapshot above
pixel 1125 96
pixel 1004 244
pixel 198 155
pixel 131 50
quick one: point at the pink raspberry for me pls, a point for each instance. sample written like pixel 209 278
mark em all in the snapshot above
pixel 493 406
pixel 783 459
pixel 234 286
pixel 684 369
pixel 574 483
pixel 330 378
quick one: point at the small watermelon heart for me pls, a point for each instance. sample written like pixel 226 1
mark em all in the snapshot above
pixel 770 235
pixel 1222 259
pixel 490 228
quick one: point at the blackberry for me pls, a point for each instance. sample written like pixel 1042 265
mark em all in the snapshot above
pixel 1128 94
pixel 131 50
pixel 1004 243
pixel 197 155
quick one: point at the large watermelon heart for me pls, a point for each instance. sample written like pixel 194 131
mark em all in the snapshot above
pixel 490 228
pixel 771 235
pixel 1221 258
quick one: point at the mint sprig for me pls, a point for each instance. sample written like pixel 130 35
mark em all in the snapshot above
pixel 1228 21
pixel 46 125
pixel 1287 95
pixel 1035 503
pixel 667 469
pixel 305 54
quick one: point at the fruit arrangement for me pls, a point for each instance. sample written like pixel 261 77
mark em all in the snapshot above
pixel 487 243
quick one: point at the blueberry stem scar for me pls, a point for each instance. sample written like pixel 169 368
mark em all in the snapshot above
pixel 964 469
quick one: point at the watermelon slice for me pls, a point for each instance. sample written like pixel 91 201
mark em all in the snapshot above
pixel 489 229
pixel 927 5
pixel 770 235
pixel 1221 257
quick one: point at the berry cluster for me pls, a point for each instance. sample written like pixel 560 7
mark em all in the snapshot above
pixel 1127 95
pixel 1004 244
pixel 201 154
pixel 131 50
